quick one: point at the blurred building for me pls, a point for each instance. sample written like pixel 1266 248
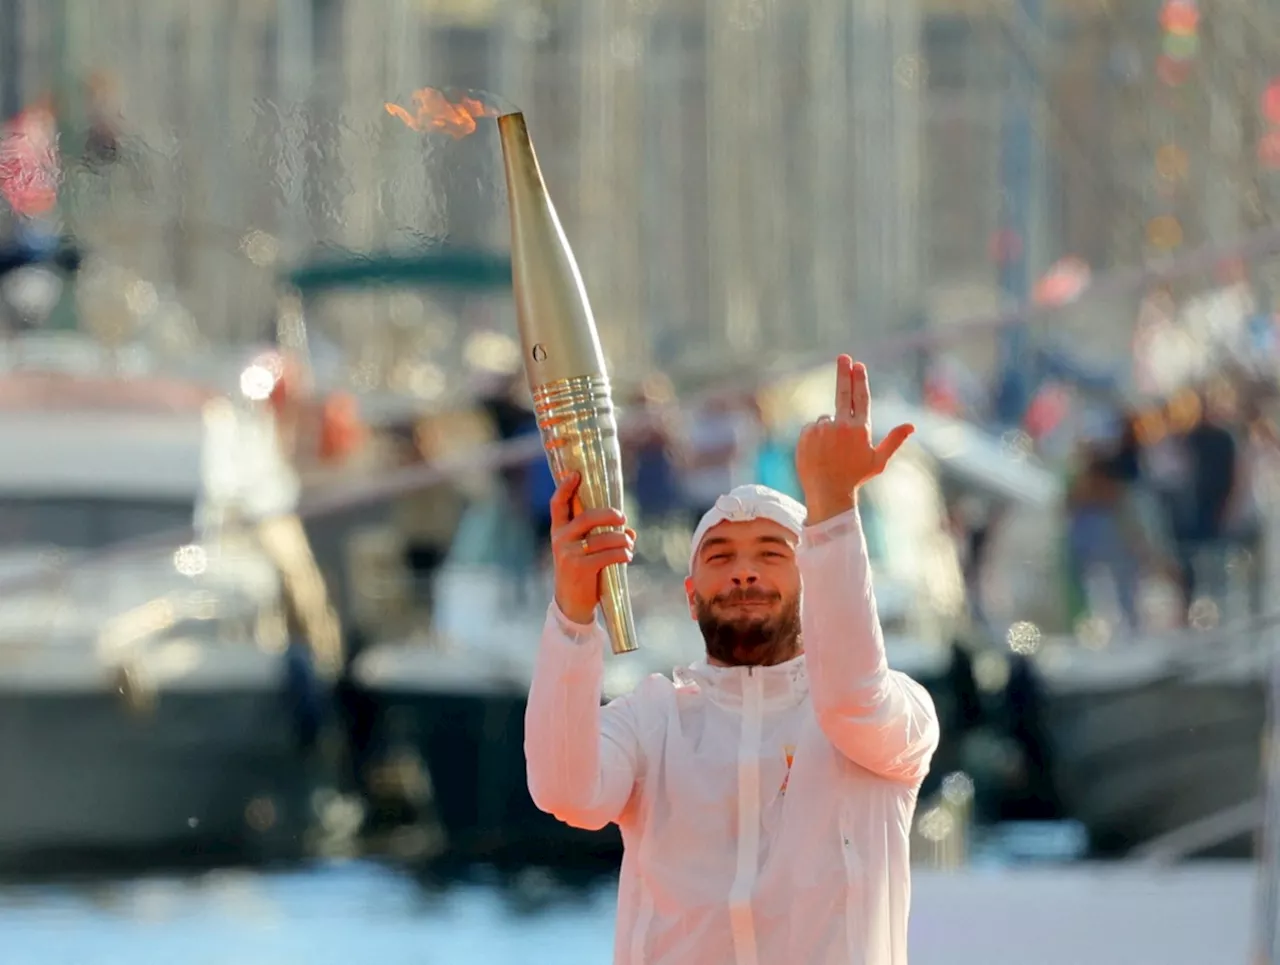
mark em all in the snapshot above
pixel 740 178
pixel 1153 123
pixel 736 175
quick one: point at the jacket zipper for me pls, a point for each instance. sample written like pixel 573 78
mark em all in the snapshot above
pixel 744 880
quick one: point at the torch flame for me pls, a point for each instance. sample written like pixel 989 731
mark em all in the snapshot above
pixel 434 111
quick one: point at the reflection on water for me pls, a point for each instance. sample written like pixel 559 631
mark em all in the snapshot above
pixel 337 915
pixel 363 913
pixel 1022 902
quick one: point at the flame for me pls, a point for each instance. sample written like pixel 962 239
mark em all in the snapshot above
pixel 434 111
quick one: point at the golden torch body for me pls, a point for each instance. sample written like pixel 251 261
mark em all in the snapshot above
pixel 562 358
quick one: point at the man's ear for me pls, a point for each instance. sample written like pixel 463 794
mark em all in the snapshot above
pixel 688 592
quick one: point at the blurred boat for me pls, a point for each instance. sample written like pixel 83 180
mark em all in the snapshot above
pixel 144 709
pixel 1160 740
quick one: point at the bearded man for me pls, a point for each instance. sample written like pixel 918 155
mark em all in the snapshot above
pixel 765 794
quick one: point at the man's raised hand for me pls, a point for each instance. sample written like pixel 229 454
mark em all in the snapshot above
pixel 836 455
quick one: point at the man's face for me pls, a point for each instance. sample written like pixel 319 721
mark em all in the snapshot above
pixel 744 592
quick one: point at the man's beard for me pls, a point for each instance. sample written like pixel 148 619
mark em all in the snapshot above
pixel 749 639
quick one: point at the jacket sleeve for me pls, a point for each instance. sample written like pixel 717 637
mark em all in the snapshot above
pixel 583 759
pixel 880 719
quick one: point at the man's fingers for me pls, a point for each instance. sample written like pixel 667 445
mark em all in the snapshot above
pixel 891 443
pixel 604 542
pixel 579 526
pixel 860 388
pixel 844 388
pixel 599 550
pixel 605 558
pixel 562 501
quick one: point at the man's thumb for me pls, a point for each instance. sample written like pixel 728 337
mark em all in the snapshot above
pixel 891 443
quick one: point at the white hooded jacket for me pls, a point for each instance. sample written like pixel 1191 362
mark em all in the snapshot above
pixel 765 811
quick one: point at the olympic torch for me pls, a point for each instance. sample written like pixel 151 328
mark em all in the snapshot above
pixel 562 357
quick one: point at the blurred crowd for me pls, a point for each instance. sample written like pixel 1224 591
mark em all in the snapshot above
pixel 1161 524
pixel 1170 495
pixel 676 462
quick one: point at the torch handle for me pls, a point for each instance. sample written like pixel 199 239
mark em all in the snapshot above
pixel 580 434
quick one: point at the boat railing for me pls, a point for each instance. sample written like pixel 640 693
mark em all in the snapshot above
pixel 1202 835
pixel 1243 645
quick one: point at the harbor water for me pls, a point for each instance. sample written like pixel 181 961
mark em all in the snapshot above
pixel 360 912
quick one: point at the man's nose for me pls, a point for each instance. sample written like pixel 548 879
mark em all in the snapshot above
pixel 745 577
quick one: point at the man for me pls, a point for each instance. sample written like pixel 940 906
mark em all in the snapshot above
pixel 765 795
pixel 1213 459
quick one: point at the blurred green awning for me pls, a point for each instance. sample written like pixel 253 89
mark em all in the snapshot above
pixel 457 268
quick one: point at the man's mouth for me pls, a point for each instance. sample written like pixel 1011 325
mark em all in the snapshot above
pixel 749 605
pixel 753 600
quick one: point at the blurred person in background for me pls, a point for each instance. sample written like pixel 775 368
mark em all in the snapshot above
pixel 721 445
pixel 305 690
pixel 1167 467
pixel 509 413
pixel 1140 517
pixel 104 121
pixel 766 796
pixel 427 518
pixel 1246 522
pixel 538 486
pixel 653 453
pixel 526 485
pixel 1201 514
pixel 1100 533
pixel 972 520
pixel 775 454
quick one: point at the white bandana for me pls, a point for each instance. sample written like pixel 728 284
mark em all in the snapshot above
pixel 744 503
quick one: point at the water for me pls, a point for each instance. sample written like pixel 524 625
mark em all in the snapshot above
pixel 359 913
pixel 340 914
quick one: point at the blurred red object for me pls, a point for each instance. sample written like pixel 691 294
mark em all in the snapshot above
pixel 1063 283
pixel 1270 102
pixel 941 394
pixel 1180 17
pixel 285 389
pixel 1047 410
pixel 30 168
pixel 341 430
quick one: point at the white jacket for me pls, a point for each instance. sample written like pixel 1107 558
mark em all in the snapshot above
pixel 765 812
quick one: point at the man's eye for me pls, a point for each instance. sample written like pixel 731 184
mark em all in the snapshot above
pixel 719 557
pixel 773 555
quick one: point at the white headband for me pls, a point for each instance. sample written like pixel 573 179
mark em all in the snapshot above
pixel 744 503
